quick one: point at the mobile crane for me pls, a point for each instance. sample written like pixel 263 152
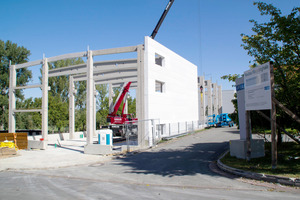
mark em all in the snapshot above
pixel 118 122
pixel 160 21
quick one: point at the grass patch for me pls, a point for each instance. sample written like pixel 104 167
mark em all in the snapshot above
pixel 288 165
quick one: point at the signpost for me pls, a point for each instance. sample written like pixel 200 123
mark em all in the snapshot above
pixel 258 88
pixel 259 92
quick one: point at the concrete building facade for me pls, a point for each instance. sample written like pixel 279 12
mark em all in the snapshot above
pixel 166 88
pixel 171 92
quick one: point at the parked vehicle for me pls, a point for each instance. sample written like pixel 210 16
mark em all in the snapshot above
pixel 220 120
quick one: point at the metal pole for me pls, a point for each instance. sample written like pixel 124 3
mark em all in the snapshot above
pixel 273 120
pixel 248 135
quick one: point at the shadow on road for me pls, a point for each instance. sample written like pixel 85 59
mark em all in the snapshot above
pixel 192 160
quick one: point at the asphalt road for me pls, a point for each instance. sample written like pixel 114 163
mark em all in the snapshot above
pixel 178 169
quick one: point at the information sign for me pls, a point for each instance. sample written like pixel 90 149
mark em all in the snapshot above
pixel 258 88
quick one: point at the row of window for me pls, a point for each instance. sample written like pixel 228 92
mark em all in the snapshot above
pixel 159 86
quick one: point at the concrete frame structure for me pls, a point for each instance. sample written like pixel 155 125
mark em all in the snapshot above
pixel 92 72
pixel 211 99
pixel 201 97
pixel 153 62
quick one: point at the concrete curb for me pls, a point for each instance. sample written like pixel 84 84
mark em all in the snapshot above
pixel 257 176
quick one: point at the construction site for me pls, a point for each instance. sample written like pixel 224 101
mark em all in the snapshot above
pixel 171 100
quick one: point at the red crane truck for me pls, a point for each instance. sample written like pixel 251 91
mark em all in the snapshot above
pixel 118 122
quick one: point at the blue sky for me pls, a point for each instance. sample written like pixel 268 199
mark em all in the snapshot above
pixel 205 32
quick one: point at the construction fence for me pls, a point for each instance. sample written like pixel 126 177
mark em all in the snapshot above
pixel 156 131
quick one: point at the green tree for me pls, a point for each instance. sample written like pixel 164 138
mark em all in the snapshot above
pixel 279 41
pixel 60 85
pixel 58 114
pixel 17 55
pixel 29 120
pixel 59 95
pixel 102 105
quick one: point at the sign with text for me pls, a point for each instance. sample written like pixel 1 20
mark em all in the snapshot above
pixel 258 88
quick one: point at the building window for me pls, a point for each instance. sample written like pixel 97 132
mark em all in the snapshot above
pixel 159 60
pixel 159 86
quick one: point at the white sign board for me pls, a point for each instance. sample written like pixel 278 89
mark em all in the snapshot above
pixel 258 88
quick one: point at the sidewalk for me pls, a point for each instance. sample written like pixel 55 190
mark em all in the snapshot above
pixel 257 176
pixel 70 153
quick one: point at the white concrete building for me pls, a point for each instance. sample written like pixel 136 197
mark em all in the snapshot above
pixel 171 91
pixel 227 97
pixel 166 89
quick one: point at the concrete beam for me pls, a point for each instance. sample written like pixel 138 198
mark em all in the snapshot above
pixel 67 56
pixel 27 87
pixel 102 66
pixel 29 64
pixel 29 110
pixel 115 50
pixel 117 80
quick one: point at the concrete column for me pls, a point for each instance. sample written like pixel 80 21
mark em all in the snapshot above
pixel 240 90
pixel 71 107
pixel 201 99
pixel 90 99
pixel 215 99
pixel 220 99
pixel 209 97
pixel 110 97
pixel 12 99
pixel 95 108
pixel 140 97
pixel 45 89
pixel 125 100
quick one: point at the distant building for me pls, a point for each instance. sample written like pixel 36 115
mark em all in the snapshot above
pixel 227 96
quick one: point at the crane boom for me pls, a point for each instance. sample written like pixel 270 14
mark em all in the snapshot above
pixel 120 98
pixel 162 19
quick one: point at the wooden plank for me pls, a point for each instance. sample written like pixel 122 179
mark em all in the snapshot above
pixel 20 139
pixel 285 109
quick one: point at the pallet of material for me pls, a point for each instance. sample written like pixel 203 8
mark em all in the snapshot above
pixel 20 139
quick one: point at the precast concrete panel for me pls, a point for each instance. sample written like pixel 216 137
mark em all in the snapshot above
pixel 201 99
pixel 209 97
pixel 220 103
pixel 178 100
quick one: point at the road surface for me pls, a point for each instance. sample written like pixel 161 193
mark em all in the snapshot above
pixel 177 169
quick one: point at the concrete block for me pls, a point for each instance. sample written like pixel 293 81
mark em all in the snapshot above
pixel 36 144
pixel 97 149
pixel 238 148
pixel 129 148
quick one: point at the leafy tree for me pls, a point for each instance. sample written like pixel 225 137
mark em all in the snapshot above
pixel 278 41
pixel 102 105
pixel 59 95
pixel 29 120
pixel 60 84
pixel 17 55
pixel 80 119
pixel 58 114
